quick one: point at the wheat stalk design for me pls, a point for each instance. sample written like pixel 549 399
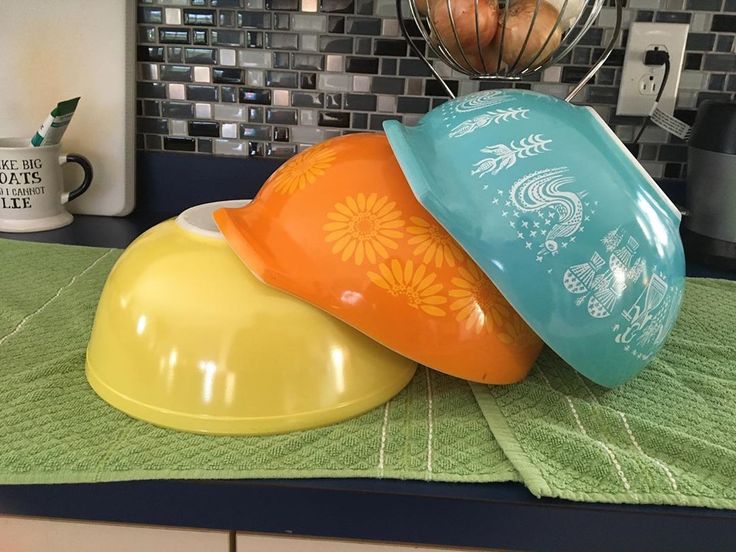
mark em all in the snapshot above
pixel 506 156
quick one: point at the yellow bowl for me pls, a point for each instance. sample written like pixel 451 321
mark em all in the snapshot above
pixel 186 337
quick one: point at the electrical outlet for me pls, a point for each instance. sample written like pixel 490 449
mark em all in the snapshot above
pixel 640 83
pixel 648 85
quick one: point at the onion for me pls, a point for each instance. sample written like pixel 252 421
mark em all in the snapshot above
pixel 572 11
pixel 470 40
pixel 514 28
pixel 422 6
pixel 490 56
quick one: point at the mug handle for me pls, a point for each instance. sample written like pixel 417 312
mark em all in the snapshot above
pixel 88 175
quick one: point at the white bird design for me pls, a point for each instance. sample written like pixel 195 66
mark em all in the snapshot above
pixel 542 189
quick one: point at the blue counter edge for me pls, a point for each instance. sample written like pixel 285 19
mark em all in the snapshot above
pixel 501 515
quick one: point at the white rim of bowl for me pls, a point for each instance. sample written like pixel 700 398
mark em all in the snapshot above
pixel 199 220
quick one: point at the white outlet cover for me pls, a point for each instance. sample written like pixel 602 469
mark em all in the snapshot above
pixel 643 36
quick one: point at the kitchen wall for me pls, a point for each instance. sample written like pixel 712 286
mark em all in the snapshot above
pixel 268 78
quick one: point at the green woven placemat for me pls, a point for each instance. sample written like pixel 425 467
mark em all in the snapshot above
pixel 666 437
pixel 54 429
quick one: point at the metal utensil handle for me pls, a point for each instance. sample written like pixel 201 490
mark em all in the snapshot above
pixel 604 56
pixel 512 72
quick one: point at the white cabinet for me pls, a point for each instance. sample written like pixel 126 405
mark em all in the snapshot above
pixel 44 535
pixel 266 543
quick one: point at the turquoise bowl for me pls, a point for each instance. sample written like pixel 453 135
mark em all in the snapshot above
pixel 571 229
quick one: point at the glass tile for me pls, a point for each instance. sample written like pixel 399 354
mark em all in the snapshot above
pixel 168 35
pixel 255 96
pixel 199 17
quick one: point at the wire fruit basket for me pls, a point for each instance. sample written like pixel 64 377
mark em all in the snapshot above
pixel 504 39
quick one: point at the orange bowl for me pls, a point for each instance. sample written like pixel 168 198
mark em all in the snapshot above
pixel 339 227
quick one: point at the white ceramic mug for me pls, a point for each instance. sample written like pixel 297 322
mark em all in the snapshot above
pixel 32 194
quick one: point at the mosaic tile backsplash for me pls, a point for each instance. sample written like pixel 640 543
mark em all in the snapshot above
pixel 268 78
